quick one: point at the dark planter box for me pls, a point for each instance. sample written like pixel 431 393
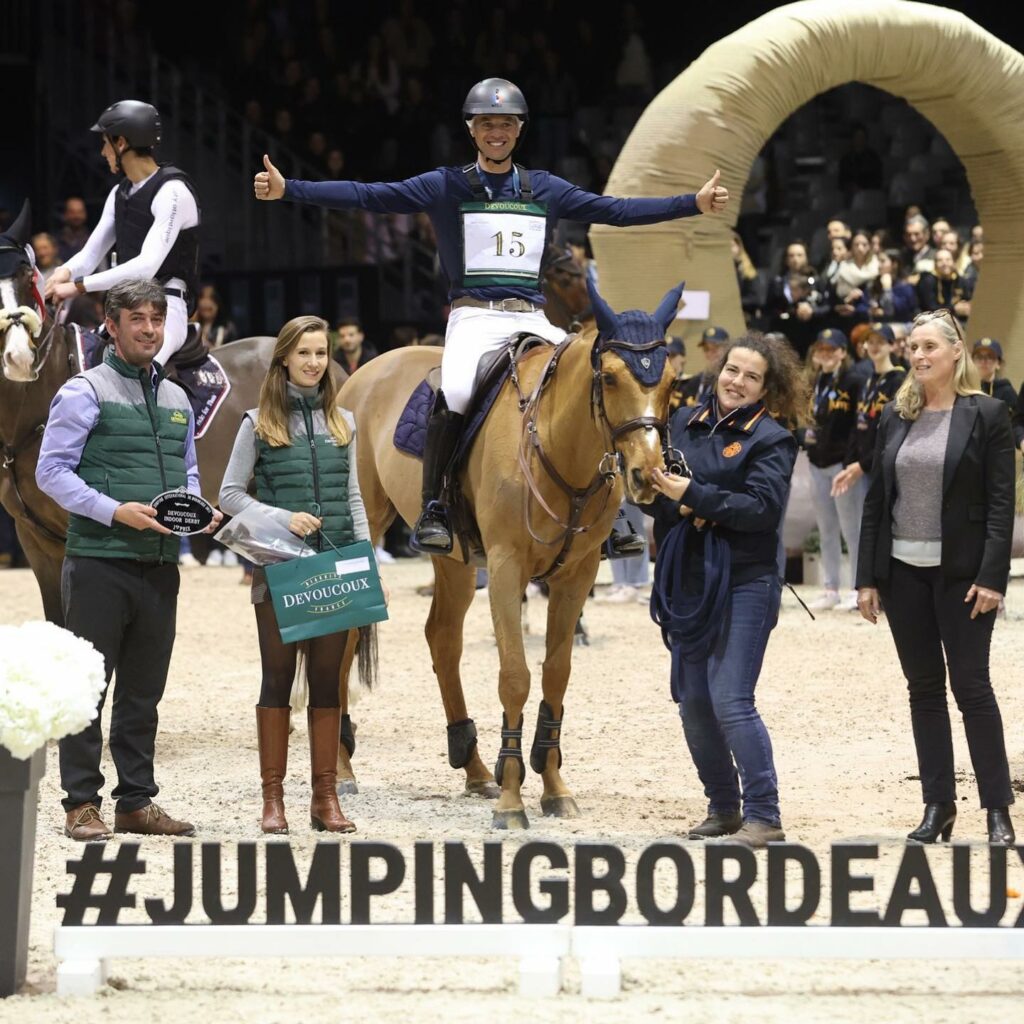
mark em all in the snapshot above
pixel 19 781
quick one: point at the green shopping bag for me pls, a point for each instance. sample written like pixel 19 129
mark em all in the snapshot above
pixel 327 592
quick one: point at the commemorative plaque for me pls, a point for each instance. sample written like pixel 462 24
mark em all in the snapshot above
pixel 182 512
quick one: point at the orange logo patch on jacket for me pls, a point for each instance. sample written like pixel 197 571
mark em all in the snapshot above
pixel 732 449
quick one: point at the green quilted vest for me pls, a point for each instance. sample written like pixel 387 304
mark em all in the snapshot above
pixel 135 451
pixel 307 475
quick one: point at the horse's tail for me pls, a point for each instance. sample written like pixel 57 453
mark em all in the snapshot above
pixel 366 649
pixel 300 685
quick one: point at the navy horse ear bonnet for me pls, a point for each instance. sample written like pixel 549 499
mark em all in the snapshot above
pixel 636 337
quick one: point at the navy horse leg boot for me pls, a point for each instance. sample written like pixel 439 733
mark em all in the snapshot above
pixel 432 533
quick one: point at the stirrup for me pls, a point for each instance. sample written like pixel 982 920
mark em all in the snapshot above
pixel 433 523
pixel 624 545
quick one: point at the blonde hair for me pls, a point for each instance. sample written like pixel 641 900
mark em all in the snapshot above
pixel 909 400
pixel 272 413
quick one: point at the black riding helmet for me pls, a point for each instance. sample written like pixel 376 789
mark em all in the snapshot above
pixel 138 122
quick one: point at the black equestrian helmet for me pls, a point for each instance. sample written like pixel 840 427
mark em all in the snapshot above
pixel 138 122
pixel 495 96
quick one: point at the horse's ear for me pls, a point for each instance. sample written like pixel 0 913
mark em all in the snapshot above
pixel 21 230
pixel 666 311
pixel 607 321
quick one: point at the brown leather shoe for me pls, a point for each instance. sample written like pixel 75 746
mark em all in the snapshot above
pixel 757 835
pixel 84 825
pixel 325 814
pixel 272 725
pixel 152 821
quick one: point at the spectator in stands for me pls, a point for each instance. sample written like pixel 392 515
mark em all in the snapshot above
pixel 940 226
pixel 861 166
pixel 853 279
pixel 676 348
pixel 918 254
pixel 887 297
pixel 44 245
pixel 881 240
pixel 86 310
pixel 75 230
pixel 804 317
pixel 839 253
pixel 694 390
pixel 351 350
pixel 633 75
pixel 408 38
pixel 215 329
pixel 975 252
pixel 977 233
pixel 945 288
pixel 794 261
pixel 751 293
pixel 316 150
pixel 834 394
pixel 874 393
pixel 987 354
pixel 951 241
pixel 378 71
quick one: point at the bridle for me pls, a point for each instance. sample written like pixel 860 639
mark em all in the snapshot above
pixel 611 464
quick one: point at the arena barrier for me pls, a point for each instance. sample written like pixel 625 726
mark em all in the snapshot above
pixel 83 954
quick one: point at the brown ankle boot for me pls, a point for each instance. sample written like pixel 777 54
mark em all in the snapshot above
pixel 272 735
pixel 325 814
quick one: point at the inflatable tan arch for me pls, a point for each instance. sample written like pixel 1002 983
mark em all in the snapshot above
pixel 726 105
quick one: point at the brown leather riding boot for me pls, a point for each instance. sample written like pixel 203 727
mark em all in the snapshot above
pixel 325 814
pixel 272 736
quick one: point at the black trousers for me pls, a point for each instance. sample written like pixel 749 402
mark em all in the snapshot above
pixel 126 610
pixel 927 615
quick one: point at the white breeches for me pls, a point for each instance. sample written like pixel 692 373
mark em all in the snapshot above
pixel 175 326
pixel 473 334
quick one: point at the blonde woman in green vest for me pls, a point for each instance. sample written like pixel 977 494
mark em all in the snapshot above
pixel 299 448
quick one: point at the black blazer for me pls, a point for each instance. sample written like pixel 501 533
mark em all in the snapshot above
pixel 977 495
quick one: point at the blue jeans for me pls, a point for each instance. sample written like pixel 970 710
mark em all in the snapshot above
pixel 720 722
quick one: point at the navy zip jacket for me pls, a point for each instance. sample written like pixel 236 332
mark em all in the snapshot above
pixel 742 467
pixel 440 193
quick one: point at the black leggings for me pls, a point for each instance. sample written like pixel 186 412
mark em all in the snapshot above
pixel 323 663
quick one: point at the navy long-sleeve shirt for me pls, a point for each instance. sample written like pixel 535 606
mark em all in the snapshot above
pixel 440 193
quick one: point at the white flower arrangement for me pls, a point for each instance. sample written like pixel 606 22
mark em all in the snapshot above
pixel 50 685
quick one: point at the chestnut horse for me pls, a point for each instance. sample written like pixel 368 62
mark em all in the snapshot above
pixel 38 356
pixel 579 424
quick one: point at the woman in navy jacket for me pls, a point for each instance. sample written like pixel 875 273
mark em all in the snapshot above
pixel 935 553
pixel 718 590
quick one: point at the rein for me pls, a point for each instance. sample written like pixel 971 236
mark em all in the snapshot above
pixel 608 468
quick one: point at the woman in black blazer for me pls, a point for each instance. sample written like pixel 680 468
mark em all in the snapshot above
pixel 935 554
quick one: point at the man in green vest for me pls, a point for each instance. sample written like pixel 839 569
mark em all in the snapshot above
pixel 117 436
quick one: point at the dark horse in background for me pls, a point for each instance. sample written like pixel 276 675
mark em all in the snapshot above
pixel 38 355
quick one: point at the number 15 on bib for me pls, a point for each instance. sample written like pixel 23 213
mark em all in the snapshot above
pixel 502 244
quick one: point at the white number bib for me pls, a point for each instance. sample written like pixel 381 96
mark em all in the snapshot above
pixel 502 243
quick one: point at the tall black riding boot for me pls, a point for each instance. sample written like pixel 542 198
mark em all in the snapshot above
pixel 432 533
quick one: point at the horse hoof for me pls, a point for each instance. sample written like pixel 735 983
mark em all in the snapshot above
pixel 487 789
pixel 346 787
pixel 559 807
pixel 508 821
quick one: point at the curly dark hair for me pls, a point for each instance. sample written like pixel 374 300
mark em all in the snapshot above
pixel 786 393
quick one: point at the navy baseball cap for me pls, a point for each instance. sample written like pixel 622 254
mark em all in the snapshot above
pixel 991 344
pixel 675 345
pixel 884 331
pixel 831 336
pixel 715 336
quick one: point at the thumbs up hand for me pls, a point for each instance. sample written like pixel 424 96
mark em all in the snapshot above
pixel 713 197
pixel 269 183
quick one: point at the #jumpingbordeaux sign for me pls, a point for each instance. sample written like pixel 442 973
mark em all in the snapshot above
pixel 548 884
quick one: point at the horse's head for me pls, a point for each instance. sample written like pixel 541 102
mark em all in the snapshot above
pixel 21 309
pixel 631 385
pixel 565 288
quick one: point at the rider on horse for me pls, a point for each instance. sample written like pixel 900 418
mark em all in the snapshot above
pixel 493 219
pixel 152 218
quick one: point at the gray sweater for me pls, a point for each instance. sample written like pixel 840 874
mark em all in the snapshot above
pixel 234 496
pixel 917 510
